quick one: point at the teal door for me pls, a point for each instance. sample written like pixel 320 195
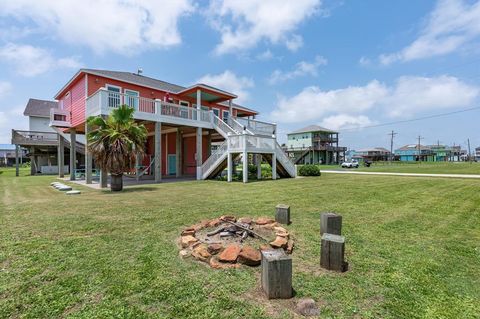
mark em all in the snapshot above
pixel 172 164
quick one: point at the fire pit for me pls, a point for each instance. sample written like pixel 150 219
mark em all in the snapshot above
pixel 227 242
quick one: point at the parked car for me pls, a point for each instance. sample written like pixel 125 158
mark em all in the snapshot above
pixel 352 164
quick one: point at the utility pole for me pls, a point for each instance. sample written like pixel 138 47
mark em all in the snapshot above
pixel 418 147
pixel 469 157
pixel 392 135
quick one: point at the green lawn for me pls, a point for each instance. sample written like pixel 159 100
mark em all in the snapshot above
pixel 413 245
pixel 422 167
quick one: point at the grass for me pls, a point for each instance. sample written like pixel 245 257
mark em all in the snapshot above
pixel 416 167
pixel 412 245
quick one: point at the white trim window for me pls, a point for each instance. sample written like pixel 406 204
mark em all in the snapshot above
pixel 114 95
pixel 216 111
pixel 225 115
pixel 131 98
pixel 184 112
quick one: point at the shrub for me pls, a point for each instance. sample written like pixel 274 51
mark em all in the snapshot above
pixel 309 170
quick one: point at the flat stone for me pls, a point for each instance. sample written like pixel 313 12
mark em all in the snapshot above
pixel 249 256
pixel 307 307
pixel 282 234
pixel 214 222
pixel 188 240
pixel 229 218
pixel 279 242
pixel 264 221
pixel 230 253
pixel 214 263
pixel 188 231
pixel 73 192
pixel 201 253
pixel 64 188
pixel 214 248
pixel 245 220
pixel 280 229
pixel 290 245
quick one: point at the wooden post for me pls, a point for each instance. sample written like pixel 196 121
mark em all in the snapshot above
pixel 73 153
pixel 158 152
pixel 33 165
pixel 229 167
pixel 330 223
pixel 60 156
pixel 88 159
pixel 178 148
pixel 17 169
pixel 245 167
pixel 277 274
pixel 274 166
pixel 282 214
pixel 259 166
pixel 332 253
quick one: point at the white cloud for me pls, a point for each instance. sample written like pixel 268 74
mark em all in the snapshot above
pixel 11 118
pixel 417 94
pixel 302 68
pixel 245 23
pixel 122 26
pixel 265 55
pixel 409 95
pixel 5 88
pixel 31 61
pixel 229 82
pixel 345 121
pixel 312 103
pixel 452 25
pixel 364 61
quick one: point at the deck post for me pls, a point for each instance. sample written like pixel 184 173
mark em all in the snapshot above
pixel 199 136
pixel 229 167
pixel 230 111
pixel 158 152
pixel 60 156
pixel 274 166
pixel 178 147
pixel 245 166
pixel 138 161
pixel 33 165
pixel 88 159
pixel 73 153
pixel 259 166
pixel 17 169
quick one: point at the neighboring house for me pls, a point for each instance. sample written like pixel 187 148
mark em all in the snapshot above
pixel 8 156
pixel 184 124
pixel 477 154
pixel 441 153
pixel 41 140
pixel 372 154
pixel 415 152
pixel 314 145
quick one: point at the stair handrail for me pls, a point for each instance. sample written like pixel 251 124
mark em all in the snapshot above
pixel 239 127
pixel 214 157
pixel 223 128
pixel 285 160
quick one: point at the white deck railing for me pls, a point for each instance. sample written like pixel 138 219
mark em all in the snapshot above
pixel 258 127
pixel 214 159
pixel 103 101
pixel 251 143
pixel 285 160
pixel 223 128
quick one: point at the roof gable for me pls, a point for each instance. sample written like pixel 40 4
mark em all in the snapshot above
pixel 39 108
pixel 313 128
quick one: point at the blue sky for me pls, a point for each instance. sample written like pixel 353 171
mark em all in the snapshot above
pixel 340 64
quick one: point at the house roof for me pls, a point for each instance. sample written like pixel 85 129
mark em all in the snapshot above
pixel 312 128
pixel 149 82
pixel 40 108
pixel 412 147
pixel 373 149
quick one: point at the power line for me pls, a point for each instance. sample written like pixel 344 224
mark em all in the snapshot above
pixel 411 120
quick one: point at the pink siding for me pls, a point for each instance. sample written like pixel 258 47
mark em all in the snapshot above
pixel 74 101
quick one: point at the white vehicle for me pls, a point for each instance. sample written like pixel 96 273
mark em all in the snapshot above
pixel 352 164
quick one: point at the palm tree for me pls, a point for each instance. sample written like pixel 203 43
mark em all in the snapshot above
pixel 115 141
